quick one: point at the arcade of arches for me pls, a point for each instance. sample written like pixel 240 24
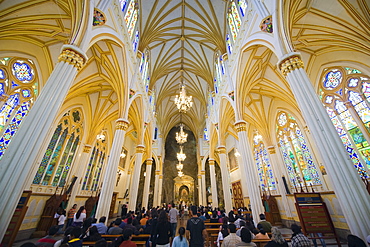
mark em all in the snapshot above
pixel 280 92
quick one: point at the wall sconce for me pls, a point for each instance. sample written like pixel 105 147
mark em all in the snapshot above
pixel 101 136
pixel 123 154
pixel 237 154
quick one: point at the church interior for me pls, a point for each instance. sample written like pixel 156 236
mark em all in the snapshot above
pixel 226 103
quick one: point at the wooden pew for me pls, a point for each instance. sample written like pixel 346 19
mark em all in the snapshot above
pixel 140 239
pixel 212 225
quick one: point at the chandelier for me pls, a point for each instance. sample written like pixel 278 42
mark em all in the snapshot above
pixel 180 174
pixel 101 136
pixel 181 156
pixel 181 136
pixel 183 102
pixel 179 166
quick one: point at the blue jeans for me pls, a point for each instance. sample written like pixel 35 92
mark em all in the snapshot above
pixel 174 226
pixel 314 240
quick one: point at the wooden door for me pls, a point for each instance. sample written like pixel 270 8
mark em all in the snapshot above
pixel 113 204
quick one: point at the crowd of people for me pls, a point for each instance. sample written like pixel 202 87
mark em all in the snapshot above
pixel 235 229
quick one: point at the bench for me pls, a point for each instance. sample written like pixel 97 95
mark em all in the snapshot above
pixel 140 240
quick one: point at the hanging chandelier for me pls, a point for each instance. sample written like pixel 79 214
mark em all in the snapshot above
pixel 183 102
pixel 181 137
pixel 180 174
pixel 181 156
pixel 179 166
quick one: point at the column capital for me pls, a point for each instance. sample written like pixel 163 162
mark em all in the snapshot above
pixel 140 149
pixel 202 172
pixel 87 149
pixel 149 162
pixel 122 124
pixel 241 126
pixel 160 176
pixel 271 150
pixel 157 172
pixel 211 161
pixel 221 149
pixel 73 55
pixel 290 62
pixel 199 176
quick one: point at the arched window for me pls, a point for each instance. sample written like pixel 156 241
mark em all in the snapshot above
pixel 123 4
pixel 218 73
pixel 242 6
pixel 95 165
pixel 345 95
pixel 131 17
pixel 135 43
pixel 228 43
pixel 144 69
pixel 265 173
pixel 295 151
pixel 18 91
pixel 59 155
pixel 233 20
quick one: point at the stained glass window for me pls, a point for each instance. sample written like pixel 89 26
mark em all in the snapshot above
pixel 94 167
pixel 136 41
pixel 345 95
pixel 131 17
pixel 242 6
pixel 145 71
pixel 297 157
pixel 123 4
pixel 265 173
pixel 228 43
pixel 59 155
pixel 20 88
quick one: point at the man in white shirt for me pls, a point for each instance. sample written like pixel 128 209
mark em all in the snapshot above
pixel 173 213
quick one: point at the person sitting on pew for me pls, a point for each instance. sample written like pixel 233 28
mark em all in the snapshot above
pixel 214 218
pixel 298 238
pixel 242 226
pixel 115 230
pixel 224 231
pixel 262 234
pixel 231 240
pixel 246 237
pixel 277 239
pixel 127 236
pixel 264 223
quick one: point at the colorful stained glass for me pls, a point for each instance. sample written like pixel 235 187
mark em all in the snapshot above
pixel 301 168
pixel 67 167
pixel 84 184
pixel 267 25
pixel 98 172
pixel 332 79
pixel 242 6
pixel 63 160
pixel 228 42
pixel 123 4
pixel 13 126
pixel 205 134
pixel 54 158
pixel 7 110
pixel 2 74
pixel 353 82
pixel 98 18
pixel 22 71
pixel 265 173
pixel 232 26
pixel 47 155
pixel 236 18
pixel 136 41
pixel 1 89
pixel 131 17
pixel 26 93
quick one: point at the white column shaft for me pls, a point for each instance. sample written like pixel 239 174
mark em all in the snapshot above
pixel 147 183
pixel 110 175
pixel 160 184
pixel 135 181
pixel 156 190
pixel 212 175
pixel 204 189
pixel 200 201
pixel 225 182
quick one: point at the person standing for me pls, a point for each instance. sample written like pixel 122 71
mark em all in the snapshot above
pixel 173 214
pixel 163 230
pixel 71 213
pixel 180 241
pixel 195 230
pixel 79 217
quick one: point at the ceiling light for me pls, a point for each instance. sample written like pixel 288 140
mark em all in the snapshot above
pixel 183 102
pixel 181 137
pixel 181 156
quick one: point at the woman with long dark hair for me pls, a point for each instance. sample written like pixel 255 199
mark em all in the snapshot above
pixel 180 241
pixel 163 230
pixel 79 217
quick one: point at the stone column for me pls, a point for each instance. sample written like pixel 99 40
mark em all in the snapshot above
pixel 79 173
pixel 160 184
pixel 111 169
pixel 204 189
pixel 136 177
pixel 200 201
pixel 156 190
pixel 247 170
pixel 212 175
pixel 17 161
pixel 348 187
pixel 148 171
pixel 225 178
pixel 278 173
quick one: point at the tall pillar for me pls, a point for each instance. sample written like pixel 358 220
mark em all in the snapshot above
pixel 149 163
pixel 160 184
pixel 111 169
pixel 225 178
pixel 136 177
pixel 79 173
pixel 200 201
pixel 247 170
pixel 204 189
pixel 278 175
pixel 156 189
pixel 348 187
pixel 17 161
pixel 212 175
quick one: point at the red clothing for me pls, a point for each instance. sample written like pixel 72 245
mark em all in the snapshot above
pixel 128 243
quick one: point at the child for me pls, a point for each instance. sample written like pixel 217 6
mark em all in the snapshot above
pixel 180 241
